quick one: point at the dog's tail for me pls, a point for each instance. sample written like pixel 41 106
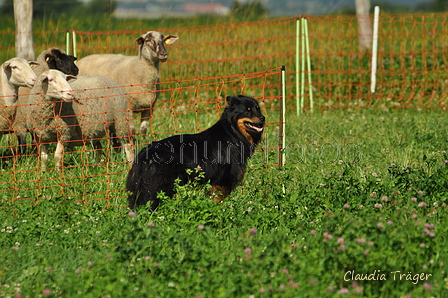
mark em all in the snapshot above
pixel 132 185
pixel 150 174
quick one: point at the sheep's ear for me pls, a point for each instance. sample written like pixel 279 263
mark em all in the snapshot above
pixel 33 63
pixel 140 40
pixel 73 58
pixel 70 78
pixel 7 68
pixel 43 77
pixel 6 65
pixel 170 39
pixel 57 52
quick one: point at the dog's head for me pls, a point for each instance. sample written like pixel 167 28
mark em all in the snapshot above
pixel 245 114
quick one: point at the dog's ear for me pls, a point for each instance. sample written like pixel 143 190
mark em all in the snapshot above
pixel 232 100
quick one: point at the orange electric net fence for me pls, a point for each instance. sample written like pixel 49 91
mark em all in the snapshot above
pixel 209 62
pixel 85 179
pixel 412 55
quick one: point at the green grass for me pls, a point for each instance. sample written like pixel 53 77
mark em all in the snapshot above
pixel 363 192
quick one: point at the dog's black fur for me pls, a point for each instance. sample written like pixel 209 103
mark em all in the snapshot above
pixel 221 152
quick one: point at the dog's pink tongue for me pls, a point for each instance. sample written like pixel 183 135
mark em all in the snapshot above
pixel 256 128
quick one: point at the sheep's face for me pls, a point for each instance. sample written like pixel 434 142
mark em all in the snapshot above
pixel 152 45
pixel 56 85
pixel 58 59
pixel 19 72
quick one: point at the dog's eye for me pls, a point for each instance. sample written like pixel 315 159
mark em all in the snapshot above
pixel 248 109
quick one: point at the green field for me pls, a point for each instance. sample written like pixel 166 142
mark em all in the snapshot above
pixel 359 209
pixel 362 192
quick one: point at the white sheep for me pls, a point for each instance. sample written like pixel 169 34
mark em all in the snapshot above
pixel 98 108
pixel 14 73
pixel 52 58
pixel 138 75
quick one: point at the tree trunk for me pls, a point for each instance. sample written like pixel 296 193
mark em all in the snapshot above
pixel 364 25
pixel 23 15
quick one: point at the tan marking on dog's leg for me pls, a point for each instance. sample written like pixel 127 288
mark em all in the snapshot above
pixel 219 190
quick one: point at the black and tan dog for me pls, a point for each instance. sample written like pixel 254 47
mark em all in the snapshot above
pixel 221 152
